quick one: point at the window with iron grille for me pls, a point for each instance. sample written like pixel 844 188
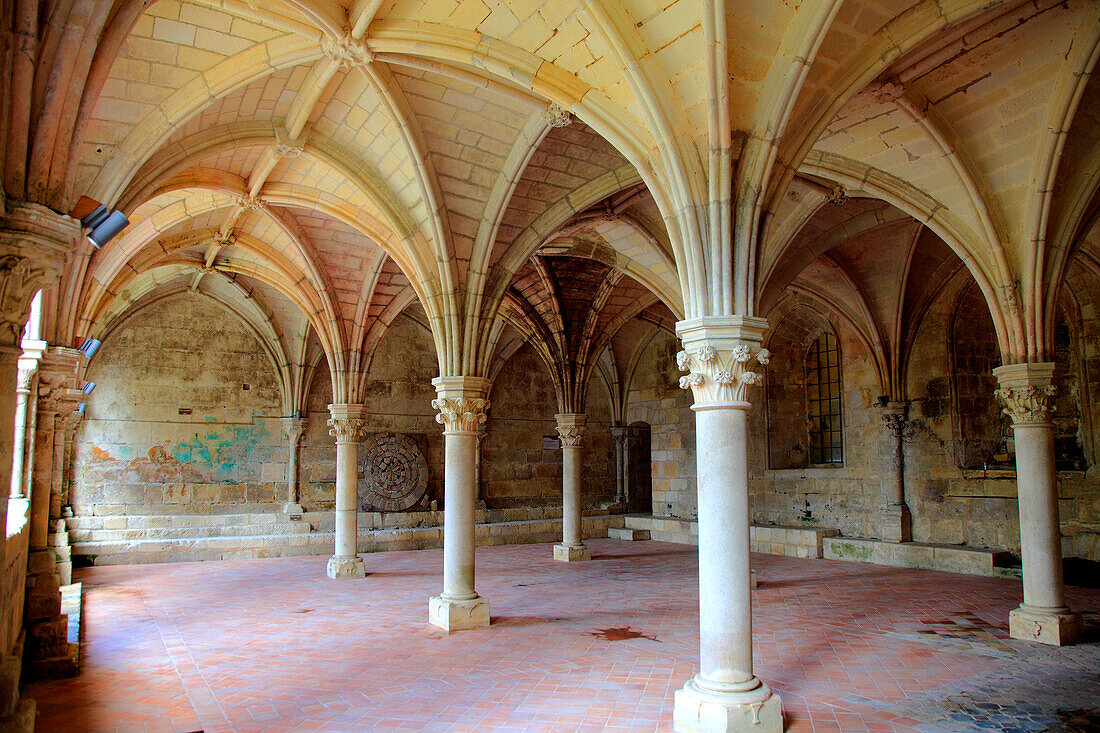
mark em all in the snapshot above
pixel 823 401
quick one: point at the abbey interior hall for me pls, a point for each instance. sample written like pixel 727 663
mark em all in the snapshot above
pixel 550 365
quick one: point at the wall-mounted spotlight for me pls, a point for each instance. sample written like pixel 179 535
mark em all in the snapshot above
pixel 80 408
pixel 103 226
pixel 87 387
pixel 90 346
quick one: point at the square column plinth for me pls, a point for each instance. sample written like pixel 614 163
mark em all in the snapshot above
pixel 572 553
pixel 346 567
pixel 458 615
pixel 1044 626
pixel 696 711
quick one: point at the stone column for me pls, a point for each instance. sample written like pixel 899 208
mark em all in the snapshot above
pixel 42 479
pixel 293 428
pixel 618 438
pixel 27 372
pixel 1027 391
pixel 346 425
pixel 571 429
pixel 719 355
pixel 462 406
pixel 897 522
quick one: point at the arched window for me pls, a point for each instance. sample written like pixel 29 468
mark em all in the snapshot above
pixel 823 400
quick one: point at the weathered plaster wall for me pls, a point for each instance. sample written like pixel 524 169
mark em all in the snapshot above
pixel 14 571
pixel 136 454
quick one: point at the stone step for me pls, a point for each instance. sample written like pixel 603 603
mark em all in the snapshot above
pixel 626 533
pixel 79 536
pixel 166 521
pixel 321 543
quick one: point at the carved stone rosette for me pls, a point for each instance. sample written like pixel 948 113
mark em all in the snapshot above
pixel 1027 392
pixel 557 116
pixel 571 428
pixel 462 414
pixel 347 51
pixel 346 429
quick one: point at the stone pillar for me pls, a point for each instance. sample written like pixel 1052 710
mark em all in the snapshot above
pixel 719 355
pixel 293 428
pixel 346 425
pixel 482 434
pixel 25 381
pixel 1027 391
pixel 42 478
pixel 897 521
pixel 462 406
pixel 618 438
pixel 571 429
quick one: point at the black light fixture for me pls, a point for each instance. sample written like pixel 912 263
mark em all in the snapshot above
pixel 80 408
pixel 103 226
pixel 87 387
pixel 90 346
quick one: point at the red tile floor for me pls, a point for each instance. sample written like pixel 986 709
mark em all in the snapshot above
pixel 273 645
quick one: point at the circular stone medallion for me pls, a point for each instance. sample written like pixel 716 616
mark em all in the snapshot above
pixel 393 475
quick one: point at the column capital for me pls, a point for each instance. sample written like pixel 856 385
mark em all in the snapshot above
pixel 1027 391
pixel 293 427
pixel 719 356
pixel 34 242
pixel 894 420
pixel 348 422
pixel 571 427
pixel 462 402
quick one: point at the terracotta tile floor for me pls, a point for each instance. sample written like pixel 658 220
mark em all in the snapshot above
pixel 273 645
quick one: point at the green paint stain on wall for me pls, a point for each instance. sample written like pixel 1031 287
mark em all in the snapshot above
pixel 221 448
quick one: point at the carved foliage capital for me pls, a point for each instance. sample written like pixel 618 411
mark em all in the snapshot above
pixel 1028 404
pixel 293 427
pixel 716 376
pixel 347 429
pixel 460 413
pixel 557 116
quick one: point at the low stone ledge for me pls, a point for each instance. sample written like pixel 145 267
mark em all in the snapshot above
pixel 775 540
pixel 921 555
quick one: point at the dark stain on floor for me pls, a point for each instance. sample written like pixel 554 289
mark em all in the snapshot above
pixel 619 633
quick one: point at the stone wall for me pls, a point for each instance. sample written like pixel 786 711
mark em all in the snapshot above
pixel 136 452
pixel 654 397
pixel 14 572
pixel 516 470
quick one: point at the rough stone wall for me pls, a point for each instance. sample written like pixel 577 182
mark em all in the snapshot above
pixel 515 468
pixel 399 400
pixel 14 578
pixel 136 454
pixel 845 496
pixel 654 397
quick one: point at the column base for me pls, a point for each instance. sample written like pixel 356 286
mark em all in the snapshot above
pixel 752 578
pixel 701 711
pixel 897 524
pixel 1057 627
pixel 572 553
pixel 346 566
pixel 458 615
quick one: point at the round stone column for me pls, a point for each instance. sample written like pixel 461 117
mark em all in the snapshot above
pixel 293 428
pixel 719 355
pixel 346 425
pixel 27 371
pixel 462 406
pixel 571 429
pixel 1027 391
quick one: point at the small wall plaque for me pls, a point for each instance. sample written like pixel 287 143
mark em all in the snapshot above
pixel 185 410
pixel 551 442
